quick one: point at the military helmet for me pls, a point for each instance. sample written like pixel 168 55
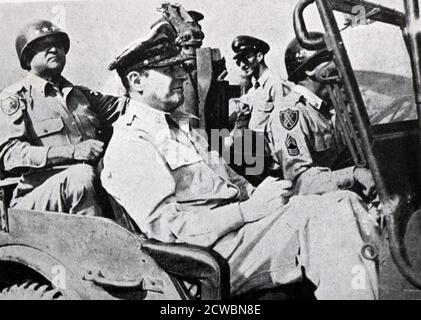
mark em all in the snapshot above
pixel 298 60
pixel 34 31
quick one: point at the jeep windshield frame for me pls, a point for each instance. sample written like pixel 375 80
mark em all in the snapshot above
pixel 397 205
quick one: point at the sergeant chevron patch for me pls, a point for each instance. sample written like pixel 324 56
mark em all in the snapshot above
pixel 292 146
pixel 289 118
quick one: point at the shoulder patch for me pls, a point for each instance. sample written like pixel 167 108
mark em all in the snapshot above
pixel 289 118
pixel 292 146
pixel 10 105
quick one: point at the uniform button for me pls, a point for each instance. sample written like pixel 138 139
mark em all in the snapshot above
pixel 45 130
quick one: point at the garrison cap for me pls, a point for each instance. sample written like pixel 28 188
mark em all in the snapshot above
pixel 155 50
pixel 195 15
pixel 244 44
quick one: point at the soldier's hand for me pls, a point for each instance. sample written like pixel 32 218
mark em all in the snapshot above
pixel 89 150
pixel 365 179
pixel 269 197
pixel 238 112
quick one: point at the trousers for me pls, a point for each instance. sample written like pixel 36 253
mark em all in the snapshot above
pixel 74 190
pixel 316 236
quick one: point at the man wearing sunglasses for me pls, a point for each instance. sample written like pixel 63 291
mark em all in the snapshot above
pixel 265 88
pixel 50 129
pixel 301 133
pixel 249 114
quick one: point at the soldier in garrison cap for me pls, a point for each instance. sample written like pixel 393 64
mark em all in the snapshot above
pixel 160 171
pixel 49 128
pixel 301 131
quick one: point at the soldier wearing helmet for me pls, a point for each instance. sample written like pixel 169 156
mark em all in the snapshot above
pixel 301 133
pixel 49 128
pixel 32 34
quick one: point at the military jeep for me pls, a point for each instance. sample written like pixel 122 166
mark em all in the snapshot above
pixel 46 255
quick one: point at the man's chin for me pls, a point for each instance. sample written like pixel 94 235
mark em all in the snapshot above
pixel 173 105
pixel 56 68
pixel 170 107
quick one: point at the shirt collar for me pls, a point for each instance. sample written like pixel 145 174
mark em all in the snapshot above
pixel 153 121
pixel 315 101
pixel 40 84
pixel 263 78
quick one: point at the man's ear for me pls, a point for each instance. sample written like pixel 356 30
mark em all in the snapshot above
pixel 310 73
pixel 134 79
pixel 260 57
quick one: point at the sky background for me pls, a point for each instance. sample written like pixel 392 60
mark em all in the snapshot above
pixel 99 29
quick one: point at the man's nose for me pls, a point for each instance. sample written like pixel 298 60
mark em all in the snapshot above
pixel 181 74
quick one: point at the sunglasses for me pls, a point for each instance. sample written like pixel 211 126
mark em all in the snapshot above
pixel 245 58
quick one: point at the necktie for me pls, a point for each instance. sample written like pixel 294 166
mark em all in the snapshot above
pixel 55 89
pixel 171 122
pixel 256 85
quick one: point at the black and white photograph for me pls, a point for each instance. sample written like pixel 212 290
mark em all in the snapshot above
pixel 235 151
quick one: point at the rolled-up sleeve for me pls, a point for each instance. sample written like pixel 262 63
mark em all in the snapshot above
pixel 19 155
pixel 289 148
pixel 16 152
pixel 138 178
pixel 293 160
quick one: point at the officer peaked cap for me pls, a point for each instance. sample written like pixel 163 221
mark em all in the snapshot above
pixel 244 44
pixel 156 50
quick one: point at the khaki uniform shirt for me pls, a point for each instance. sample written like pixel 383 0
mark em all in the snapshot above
pixel 303 144
pixel 259 100
pixel 179 191
pixel 35 116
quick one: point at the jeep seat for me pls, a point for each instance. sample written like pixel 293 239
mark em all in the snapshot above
pixel 184 262
pixel 7 186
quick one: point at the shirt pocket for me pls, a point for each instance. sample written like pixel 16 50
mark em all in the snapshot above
pixel 47 127
pixel 322 141
pixel 265 107
pixel 50 131
pixel 177 155
pixel 260 115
